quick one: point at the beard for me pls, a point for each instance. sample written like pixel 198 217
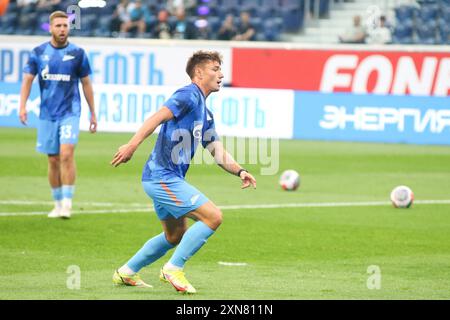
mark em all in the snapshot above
pixel 60 40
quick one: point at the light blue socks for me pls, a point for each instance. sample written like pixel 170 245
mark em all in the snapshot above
pixel 194 238
pixel 152 250
pixel 67 191
pixel 57 194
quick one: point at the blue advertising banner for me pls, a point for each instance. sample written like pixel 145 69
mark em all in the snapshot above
pixel 123 108
pixel 375 118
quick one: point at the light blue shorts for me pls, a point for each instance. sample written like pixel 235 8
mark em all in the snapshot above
pixel 173 197
pixel 52 134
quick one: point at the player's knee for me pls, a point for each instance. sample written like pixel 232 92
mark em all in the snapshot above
pixel 66 157
pixel 174 238
pixel 216 218
pixel 53 162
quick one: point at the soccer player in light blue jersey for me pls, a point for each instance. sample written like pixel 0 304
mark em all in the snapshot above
pixel 186 123
pixel 60 66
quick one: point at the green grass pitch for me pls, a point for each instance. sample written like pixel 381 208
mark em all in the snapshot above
pixel 317 252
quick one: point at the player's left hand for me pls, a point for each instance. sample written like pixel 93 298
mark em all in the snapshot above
pixel 93 124
pixel 123 155
pixel 23 116
pixel 247 180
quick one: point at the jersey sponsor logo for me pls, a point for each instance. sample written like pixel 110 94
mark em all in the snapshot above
pixel 54 76
pixel 67 57
pixel 195 198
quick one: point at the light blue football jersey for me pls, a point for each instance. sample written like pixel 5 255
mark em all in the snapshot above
pixel 178 139
pixel 59 71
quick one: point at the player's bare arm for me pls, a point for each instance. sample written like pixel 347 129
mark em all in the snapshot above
pixel 126 151
pixel 227 162
pixel 89 95
pixel 27 82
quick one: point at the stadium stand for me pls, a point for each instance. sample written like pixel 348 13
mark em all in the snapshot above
pixel 412 22
pixel 425 23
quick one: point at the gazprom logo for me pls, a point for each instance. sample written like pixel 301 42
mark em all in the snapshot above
pixel 54 76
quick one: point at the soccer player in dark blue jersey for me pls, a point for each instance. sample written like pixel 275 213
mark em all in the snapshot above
pixel 186 123
pixel 59 66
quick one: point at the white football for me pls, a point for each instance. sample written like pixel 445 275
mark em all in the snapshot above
pixel 402 197
pixel 289 180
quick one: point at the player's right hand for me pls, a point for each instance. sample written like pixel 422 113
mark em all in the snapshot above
pixel 123 154
pixel 23 117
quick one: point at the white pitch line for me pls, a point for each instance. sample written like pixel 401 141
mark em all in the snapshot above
pixel 327 204
pixel 50 203
pixel 233 264
pixel 37 213
pixel 147 208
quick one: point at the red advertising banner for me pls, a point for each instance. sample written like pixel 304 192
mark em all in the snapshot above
pixel 377 72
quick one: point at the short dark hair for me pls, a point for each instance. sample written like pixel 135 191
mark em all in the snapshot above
pixel 57 14
pixel 200 57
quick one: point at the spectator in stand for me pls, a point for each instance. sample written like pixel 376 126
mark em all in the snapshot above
pixel 189 6
pixel 26 6
pixel 138 15
pixel 228 30
pixel 203 28
pixel 245 31
pixel 381 34
pixel 119 16
pixel 355 34
pixel 183 29
pixel 47 5
pixel 162 29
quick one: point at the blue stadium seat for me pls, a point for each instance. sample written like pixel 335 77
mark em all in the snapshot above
pixel 215 3
pixel 428 12
pixel 224 11
pixel 324 8
pixel 426 33
pixel 231 4
pixel 445 13
pixel 268 12
pixel 13 8
pixel 272 29
pixel 8 23
pixel 425 2
pixel 404 12
pixel 27 24
pixel 256 22
pixel 110 7
pixel 443 31
pixel 89 22
pixel 215 24
pixel 403 32
pixel 269 3
pixel 292 19
pixel 103 27
pixel 251 8
pixel 291 4
pixel 213 10
pixel 41 26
